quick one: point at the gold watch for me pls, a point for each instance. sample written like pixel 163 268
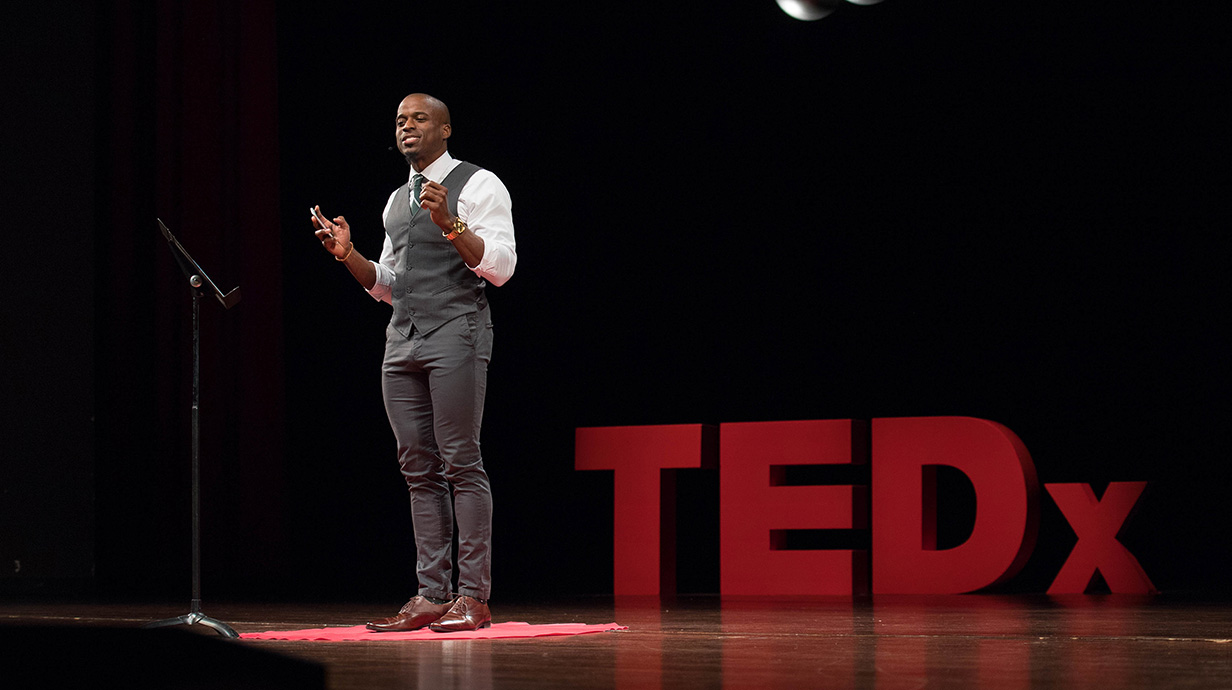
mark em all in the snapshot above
pixel 458 228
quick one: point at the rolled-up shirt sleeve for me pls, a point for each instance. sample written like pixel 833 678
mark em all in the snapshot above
pixel 486 208
pixel 381 290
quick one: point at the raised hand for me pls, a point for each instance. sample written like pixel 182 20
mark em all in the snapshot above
pixel 434 198
pixel 335 235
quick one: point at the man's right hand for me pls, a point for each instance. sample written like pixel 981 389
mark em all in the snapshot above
pixel 335 235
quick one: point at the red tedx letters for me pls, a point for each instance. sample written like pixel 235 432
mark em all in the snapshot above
pixel 906 453
pixel 644 460
pixel 757 507
pixel 1097 522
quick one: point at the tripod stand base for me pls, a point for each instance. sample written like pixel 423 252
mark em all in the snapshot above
pixel 196 618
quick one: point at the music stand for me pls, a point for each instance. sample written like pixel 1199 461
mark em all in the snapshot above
pixel 199 282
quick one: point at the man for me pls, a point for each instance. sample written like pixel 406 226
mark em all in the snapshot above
pixel 448 231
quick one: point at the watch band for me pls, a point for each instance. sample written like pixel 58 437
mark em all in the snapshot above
pixel 458 228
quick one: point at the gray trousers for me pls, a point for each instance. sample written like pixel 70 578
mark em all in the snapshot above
pixel 434 389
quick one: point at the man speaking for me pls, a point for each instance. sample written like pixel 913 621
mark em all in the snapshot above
pixel 448 232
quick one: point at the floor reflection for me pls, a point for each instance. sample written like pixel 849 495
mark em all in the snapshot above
pixel 970 641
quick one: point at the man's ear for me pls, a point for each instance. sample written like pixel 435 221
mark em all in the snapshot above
pixel 446 130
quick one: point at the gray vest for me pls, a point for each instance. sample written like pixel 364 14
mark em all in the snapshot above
pixel 431 282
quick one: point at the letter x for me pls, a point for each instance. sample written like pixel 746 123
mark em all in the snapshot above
pixel 1097 523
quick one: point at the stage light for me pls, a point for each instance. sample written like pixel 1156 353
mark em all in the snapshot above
pixel 811 10
pixel 808 10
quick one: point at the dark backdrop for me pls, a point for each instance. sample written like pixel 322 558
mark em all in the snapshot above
pixel 46 315
pixel 1005 210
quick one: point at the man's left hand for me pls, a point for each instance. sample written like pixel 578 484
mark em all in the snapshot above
pixel 434 198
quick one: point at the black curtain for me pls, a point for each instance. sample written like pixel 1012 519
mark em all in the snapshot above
pixel 188 133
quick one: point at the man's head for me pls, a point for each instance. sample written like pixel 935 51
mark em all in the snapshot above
pixel 422 129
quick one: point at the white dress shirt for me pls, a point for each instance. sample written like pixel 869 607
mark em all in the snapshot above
pixel 484 205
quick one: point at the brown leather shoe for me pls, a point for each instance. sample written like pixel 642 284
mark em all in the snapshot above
pixel 467 613
pixel 417 613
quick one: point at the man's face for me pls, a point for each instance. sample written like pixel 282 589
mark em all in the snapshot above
pixel 421 130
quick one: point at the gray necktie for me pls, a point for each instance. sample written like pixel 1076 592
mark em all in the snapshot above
pixel 417 189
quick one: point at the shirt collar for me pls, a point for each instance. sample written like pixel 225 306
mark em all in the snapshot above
pixel 436 170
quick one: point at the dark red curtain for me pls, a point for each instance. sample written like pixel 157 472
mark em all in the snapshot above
pixel 188 132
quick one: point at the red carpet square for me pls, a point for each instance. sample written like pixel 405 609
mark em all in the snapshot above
pixel 359 633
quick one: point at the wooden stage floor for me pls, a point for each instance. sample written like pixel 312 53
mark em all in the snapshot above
pixel 971 641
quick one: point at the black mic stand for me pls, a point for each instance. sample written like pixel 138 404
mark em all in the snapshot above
pixel 199 281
